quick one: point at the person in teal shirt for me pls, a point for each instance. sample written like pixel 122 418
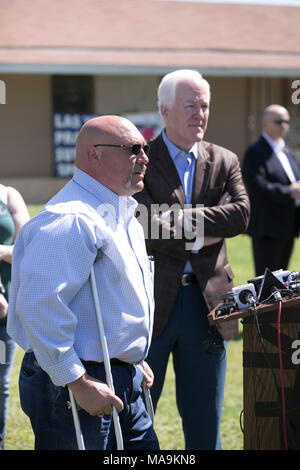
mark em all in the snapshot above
pixel 13 214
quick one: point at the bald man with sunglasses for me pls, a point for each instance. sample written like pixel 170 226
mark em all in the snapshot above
pixel 272 177
pixel 90 222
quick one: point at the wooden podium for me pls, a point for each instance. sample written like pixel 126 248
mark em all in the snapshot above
pixel 264 372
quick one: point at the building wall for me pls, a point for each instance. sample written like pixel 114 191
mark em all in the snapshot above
pixel 25 130
pixel 125 94
pixel 227 124
pixel 26 119
pixel 261 92
pixel 130 94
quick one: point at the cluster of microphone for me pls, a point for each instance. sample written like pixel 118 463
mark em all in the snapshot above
pixel 271 286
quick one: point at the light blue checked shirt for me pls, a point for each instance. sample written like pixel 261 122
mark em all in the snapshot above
pixel 51 308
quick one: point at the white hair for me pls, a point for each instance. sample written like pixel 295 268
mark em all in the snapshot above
pixel 166 92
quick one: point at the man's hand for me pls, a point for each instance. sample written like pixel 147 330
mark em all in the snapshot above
pixel 166 221
pixel 172 222
pixel 94 396
pixel 211 240
pixel 3 306
pixel 225 199
pixel 295 190
pixel 148 374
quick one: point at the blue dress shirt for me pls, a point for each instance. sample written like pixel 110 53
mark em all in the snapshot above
pixel 51 307
pixel 185 164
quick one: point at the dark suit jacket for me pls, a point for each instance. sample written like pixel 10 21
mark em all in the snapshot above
pixel 217 171
pixel 273 212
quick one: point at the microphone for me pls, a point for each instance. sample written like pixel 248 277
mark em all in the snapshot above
pixel 277 296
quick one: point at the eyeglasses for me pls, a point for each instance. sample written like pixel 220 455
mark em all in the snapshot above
pixel 135 148
pixel 281 121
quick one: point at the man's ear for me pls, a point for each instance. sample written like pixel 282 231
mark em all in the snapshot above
pixel 164 111
pixel 93 155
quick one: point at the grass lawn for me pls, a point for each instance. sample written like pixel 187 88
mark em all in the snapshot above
pixel 167 421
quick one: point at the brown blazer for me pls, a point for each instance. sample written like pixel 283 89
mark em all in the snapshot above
pixel 217 171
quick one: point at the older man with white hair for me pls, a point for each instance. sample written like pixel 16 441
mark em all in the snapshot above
pixel 191 266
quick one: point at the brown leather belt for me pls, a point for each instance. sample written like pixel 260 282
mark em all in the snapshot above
pixel 188 279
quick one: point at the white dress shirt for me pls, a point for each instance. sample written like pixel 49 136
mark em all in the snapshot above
pixel 278 149
pixel 51 308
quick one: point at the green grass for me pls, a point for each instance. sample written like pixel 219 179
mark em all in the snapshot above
pixel 167 421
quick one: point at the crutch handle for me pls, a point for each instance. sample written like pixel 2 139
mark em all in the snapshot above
pixel 108 373
pixel 148 402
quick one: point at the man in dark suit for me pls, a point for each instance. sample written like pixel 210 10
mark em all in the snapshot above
pixel 272 176
pixel 205 201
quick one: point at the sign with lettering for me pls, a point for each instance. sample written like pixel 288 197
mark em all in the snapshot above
pixel 65 130
pixel 66 127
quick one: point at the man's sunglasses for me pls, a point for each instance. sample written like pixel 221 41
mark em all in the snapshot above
pixel 281 121
pixel 134 149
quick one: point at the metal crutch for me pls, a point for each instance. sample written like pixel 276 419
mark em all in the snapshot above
pixel 148 400
pixel 109 378
pixel 79 436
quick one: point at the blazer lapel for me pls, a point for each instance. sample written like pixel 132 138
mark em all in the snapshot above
pixel 272 163
pixel 293 163
pixel 274 167
pixel 166 166
pixel 202 172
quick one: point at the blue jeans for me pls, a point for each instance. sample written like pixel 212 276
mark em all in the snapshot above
pixel 199 359
pixel 7 354
pixel 51 417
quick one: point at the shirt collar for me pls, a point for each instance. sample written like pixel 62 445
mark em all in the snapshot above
pixel 124 207
pixel 276 146
pixel 176 152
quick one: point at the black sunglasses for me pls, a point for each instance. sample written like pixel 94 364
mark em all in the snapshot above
pixel 281 121
pixel 135 148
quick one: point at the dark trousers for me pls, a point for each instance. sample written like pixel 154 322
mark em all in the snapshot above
pixel 51 416
pixel 199 359
pixel 7 354
pixel 272 253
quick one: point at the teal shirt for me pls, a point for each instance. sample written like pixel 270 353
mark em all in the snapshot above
pixel 7 233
